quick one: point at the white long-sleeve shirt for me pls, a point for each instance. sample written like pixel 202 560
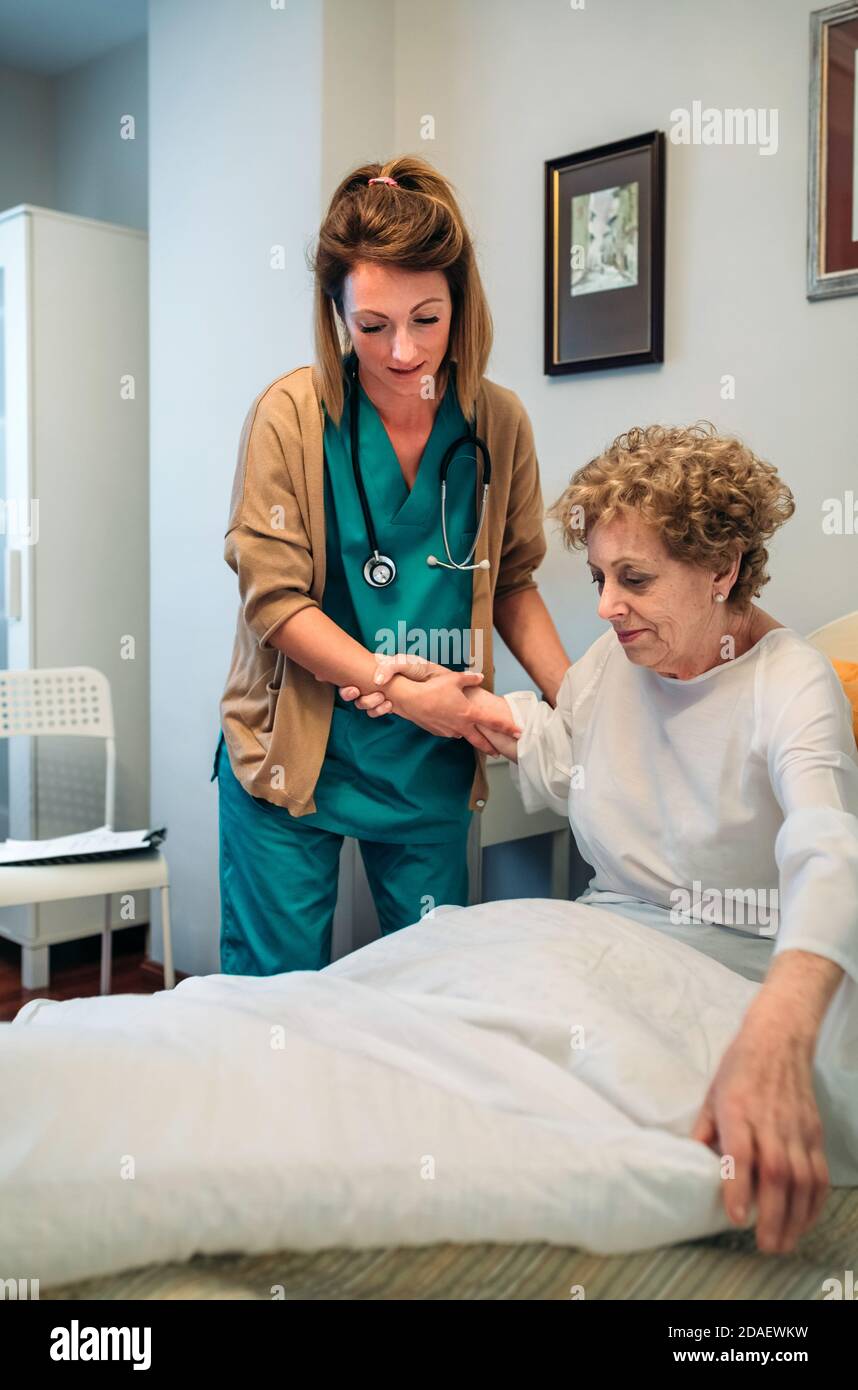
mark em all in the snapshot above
pixel 729 797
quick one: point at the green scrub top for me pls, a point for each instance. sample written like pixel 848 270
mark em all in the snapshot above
pixel 387 779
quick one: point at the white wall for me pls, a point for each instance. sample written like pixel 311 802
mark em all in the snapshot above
pixel 27 146
pixel 511 85
pixel 236 157
pixel 98 173
pixel 256 114
pixel 358 87
pixel 60 143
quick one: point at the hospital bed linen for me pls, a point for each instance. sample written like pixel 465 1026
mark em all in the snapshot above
pixel 511 1072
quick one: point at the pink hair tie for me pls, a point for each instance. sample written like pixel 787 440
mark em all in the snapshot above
pixel 385 179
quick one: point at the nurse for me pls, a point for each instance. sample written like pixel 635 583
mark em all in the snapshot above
pixel 340 464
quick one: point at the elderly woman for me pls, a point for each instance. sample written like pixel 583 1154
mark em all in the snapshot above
pixel 705 756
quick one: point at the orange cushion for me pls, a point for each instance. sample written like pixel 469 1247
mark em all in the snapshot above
pixel 848 673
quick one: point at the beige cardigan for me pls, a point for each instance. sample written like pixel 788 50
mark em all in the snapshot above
pixel 276 716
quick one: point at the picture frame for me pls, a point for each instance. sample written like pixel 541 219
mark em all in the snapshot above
pixel 832 233
pixel 604 256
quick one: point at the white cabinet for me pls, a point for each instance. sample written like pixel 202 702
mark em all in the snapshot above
pixel 74 541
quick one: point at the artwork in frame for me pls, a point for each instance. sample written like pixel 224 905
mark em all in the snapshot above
pixel 832 235
pixel 604 256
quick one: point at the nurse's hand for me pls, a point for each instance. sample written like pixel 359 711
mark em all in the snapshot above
pixel 440 705
pixel 416 668
pixel 442 710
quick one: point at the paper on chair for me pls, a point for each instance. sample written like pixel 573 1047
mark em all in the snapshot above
pixel 90 844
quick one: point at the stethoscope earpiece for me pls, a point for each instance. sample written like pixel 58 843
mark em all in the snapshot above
pixel 379 570
pixel 480 565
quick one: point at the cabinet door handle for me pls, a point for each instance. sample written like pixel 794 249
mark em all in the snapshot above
pixel 13 585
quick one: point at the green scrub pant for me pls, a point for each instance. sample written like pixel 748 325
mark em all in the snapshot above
pixel 278 881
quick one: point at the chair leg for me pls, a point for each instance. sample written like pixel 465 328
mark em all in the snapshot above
pixel 169 973
pixel 35 967
pixel 106 947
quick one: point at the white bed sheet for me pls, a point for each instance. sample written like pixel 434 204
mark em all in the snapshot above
pixel 517 1071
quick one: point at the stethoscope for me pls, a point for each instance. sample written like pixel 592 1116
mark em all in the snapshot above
pixel 379 570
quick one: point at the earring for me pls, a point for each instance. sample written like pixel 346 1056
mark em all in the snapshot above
pixel 720 598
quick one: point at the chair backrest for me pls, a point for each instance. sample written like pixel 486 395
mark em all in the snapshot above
pixel 838 638
pixel 56 700
pixel 62 700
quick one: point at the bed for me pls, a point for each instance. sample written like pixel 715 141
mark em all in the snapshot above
pixel 725 1267
pixel 488 1101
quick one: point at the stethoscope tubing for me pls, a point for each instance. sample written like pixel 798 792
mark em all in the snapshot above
pixel 471 438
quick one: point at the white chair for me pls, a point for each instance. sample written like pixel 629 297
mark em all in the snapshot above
pixel 75 700
pixel 838 639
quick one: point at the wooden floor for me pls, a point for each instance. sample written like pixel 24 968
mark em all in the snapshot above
pixel 75 967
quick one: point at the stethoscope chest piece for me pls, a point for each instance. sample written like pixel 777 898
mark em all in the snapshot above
pixel 379 571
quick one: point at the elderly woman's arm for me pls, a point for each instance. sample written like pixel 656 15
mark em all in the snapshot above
pixel 761 1108
pixel 799 985
pixel 542 757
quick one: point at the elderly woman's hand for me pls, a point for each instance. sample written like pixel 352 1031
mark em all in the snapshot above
pixel 761 1111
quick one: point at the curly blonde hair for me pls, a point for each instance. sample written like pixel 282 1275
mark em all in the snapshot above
pixel 707 495
pixel 416 225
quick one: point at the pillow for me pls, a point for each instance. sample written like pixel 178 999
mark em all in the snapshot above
pixel 848 673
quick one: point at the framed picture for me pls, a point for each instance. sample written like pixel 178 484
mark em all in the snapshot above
pixel 604 256
pixel 832 233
